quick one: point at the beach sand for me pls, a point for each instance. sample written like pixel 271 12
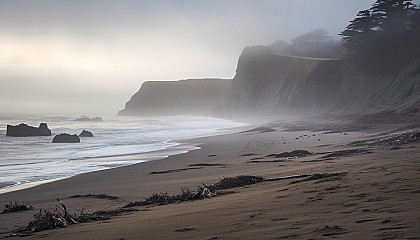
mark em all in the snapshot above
pixel 377 197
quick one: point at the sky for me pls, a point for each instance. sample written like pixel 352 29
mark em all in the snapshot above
pixel 90 56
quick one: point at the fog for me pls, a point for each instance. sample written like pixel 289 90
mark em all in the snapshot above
pixel 89 57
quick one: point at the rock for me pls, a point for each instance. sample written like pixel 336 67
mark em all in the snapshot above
pixel 23 130
pixel 66 138
pixel 85 133
pixel 86 119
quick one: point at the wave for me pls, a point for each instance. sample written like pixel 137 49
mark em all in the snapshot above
pixel 37 158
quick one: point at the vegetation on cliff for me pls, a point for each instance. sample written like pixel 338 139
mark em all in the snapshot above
pixel 376 67
pixel 383 38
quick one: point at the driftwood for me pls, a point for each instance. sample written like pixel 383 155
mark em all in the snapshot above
pixel 164 198
pixel 55 219
pixel 223 184
pixel 200 193
pixel 16 207
pixel 287 177
pixel 45 220
pixel 63 207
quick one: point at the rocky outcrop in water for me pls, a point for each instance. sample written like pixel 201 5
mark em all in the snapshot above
pixel 86 119
pixel 85 133
pixel 184 97
pixel 23 130
pixel 66 138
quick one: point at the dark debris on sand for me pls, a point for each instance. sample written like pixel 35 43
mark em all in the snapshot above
pixel 206 165
pixel 401 138
pixel 45 220
pixel 101 196
pixel 342 153
pixel 16 207
pixel 102 214
pixel 165 198
pixel 174 170
pixel 292 154
pixel 395 139
pixel 200 193
pixel 318 176
pixel 259 130
pixel 331 231
pixel 234 182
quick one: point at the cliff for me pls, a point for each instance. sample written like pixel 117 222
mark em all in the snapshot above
pixel 270 83
pixel 184 97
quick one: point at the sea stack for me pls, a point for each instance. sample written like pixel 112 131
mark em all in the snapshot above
pixel 85 133
pixel 23 130
pixel 66 138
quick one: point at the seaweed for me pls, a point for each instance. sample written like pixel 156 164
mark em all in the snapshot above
pixel 101 196
pixel 318 176
pixel 206 165
pixel 292 154
pixel 342 153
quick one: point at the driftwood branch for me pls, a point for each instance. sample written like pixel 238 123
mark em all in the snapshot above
pixel 63 207
pixel 16 207
pixel 287 177
pixel 53 219
pixel 66 216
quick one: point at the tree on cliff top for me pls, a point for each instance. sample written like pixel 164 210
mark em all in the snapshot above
pixel 313 37
pixel 317 43
pixel 357 33
pixel 381 32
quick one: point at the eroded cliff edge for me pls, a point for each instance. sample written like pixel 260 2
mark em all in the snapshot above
pixel 183 97
pixel 269 84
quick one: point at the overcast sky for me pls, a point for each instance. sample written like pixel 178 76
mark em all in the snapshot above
pixel 89 57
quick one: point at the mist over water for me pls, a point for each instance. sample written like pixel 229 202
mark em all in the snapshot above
pixel 90 56
pixel 31 159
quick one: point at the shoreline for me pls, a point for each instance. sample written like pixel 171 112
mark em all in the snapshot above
pixel 366 201
pixel 181 146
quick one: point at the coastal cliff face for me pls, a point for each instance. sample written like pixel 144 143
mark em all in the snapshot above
pixel 270 83
pixel 184 97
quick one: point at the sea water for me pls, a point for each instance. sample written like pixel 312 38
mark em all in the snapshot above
pixel 32 159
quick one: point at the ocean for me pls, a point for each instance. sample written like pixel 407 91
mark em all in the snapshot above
pixel 26 160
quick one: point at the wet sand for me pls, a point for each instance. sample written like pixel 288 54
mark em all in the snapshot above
pixel 377 197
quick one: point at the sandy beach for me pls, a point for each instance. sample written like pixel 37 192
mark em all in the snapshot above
pixel 210 120
pixel 375 195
